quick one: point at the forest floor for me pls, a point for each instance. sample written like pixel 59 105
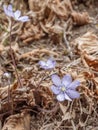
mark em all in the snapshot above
pixel 67 31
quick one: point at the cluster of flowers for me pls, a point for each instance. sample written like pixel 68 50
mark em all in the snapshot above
pixel 64 89
pixel 16 15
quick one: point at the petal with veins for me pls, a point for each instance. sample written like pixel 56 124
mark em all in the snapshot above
pixel 60 97
pixel 73 94
pixel 17 14
pixel 8 10
pixel 42 63
pixel 74 85
pixel 67 97
pixel 66 80
pixel 51 63
pixel 56 80
pixel 10 7
pixel 55 89
pixel 24 19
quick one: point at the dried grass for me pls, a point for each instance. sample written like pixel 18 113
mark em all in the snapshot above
pixel 55 18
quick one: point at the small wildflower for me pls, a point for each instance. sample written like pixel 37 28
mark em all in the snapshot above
pixel 49 64
pixel 65 89
pixel 16 15
pixel 6 78
pixel 7 75
pixel 8 10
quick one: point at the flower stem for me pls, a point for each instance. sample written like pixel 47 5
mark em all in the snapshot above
pixel 13 59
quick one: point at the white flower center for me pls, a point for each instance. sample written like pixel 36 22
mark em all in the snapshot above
pixel 63 88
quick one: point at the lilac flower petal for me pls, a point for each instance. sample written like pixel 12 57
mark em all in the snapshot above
pixel 67 97
pixel 60 97
pixel 51 63
pixel 17 14
pixel 66 80
pixel 73 94
pixel 10 8
pixel 56 80
pixel 5 9
pixel 24 19
pixel 8 11
pixel 74 85
pixel 42 63
pixel 55 89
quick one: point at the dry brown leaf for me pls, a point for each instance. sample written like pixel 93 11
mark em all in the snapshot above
pixel 67 116
pixel 17 122
pixel 4 90
pixel 37 52
pixel 14 96
pixel 1 48
pixel 61 8
pixel 36 5
pixel 63 108
pixel 48 17
pixel 87 48
pixel 45 15
pixel 80 18
pixel 43 97
pixel 87 43
pixel 96 83
pixel 56 29
pixel 91 61
pixel 30 33
pixel 90 89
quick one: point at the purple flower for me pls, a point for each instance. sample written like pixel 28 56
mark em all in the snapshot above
pixel 49 64
pixel 8 10
pixel 16 15
pixel 65 89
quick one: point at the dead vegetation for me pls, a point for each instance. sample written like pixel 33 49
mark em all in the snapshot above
pixel 50 33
